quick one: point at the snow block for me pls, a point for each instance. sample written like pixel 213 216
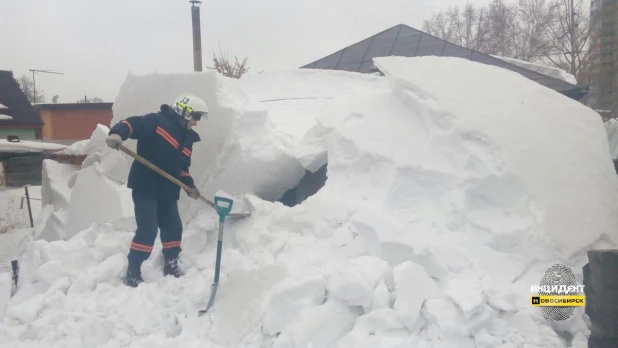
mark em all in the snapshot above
pixel 466 290
pixel 96 143
pixel 355 280
pixel 370 330
pixel 413 287
pixel 528 135
pixel 54 188
pixel 450 320
pixel 381 297
pixel 394 244
pixel 290 297
pixel 239 304
pixel 50 226
pixel 97 199
pixel 318 326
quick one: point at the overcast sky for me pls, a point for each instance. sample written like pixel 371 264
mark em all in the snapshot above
pixel 97 43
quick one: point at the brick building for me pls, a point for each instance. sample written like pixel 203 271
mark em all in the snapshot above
pixel 67 123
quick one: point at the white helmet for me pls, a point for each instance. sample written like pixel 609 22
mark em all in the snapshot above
pixel 190 106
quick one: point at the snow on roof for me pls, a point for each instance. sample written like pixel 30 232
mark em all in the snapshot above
pixel 5 117
pixel 541 69
pixel 3 106
pixel 28 146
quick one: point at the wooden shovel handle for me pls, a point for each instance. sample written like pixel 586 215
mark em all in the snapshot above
pixel 162 172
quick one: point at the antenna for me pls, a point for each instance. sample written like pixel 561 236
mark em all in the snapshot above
pixel 34 82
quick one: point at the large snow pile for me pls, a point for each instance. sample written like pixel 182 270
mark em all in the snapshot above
pixel 443 205
pixel 542 69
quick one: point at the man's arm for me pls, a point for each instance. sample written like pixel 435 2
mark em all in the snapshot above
pixel 135 127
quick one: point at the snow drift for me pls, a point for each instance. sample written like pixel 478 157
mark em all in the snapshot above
pixel 443 204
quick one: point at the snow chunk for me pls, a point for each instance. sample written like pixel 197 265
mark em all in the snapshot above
pixel 318 326
pixel 290 297
pixel 391 243
pixel 97 199
pixel 355 280
pixel 238 305
pixel 96 143
pixel 381 297
pixel 449 319
pixel 413 287
pixel 467 292
pixel 54 188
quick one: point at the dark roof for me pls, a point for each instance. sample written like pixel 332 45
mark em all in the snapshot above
pixel 402 40
pixel 76 106
pixel 17 104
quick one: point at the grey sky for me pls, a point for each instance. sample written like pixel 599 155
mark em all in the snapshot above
pixel 97 43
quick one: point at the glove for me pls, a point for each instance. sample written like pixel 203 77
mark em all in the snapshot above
pixel 194 193
pixel 113 141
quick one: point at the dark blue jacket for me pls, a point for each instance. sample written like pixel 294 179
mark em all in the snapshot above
pixel 163 141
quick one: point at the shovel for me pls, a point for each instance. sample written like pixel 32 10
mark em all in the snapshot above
pixel 176 181
pixel 222 211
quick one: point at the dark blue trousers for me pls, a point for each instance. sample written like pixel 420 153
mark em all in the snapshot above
pixel 150 216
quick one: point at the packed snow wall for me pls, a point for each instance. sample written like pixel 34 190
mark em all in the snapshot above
pixel 235 153
pixel 550 147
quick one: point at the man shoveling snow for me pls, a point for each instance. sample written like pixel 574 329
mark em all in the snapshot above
pixel 165 139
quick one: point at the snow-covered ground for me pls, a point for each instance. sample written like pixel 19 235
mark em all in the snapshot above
pixel 443 205
pixel 14 211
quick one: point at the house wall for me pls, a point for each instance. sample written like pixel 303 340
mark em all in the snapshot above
pixel 23 170
pixel 73 124
pixel 22 133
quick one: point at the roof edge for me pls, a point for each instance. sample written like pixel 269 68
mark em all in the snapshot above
pixel 505 63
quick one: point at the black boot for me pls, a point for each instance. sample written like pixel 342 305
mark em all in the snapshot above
pixel 171 267
pixel 134 274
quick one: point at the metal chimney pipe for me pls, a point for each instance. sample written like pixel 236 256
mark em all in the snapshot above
pixel 197 35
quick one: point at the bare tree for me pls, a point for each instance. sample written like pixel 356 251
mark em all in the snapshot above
pixel 569 37
pixel 502 24
pixel 442 24
pixel 225 66
pixel 467 28
pixel 534 17
pixel 553 32
pixel 27 87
